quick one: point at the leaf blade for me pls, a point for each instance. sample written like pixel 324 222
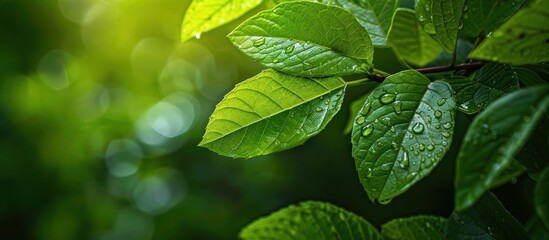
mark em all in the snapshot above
pixel 205 15
pixel 492 140
pixel 310 220
pixel 416 227
pixel 525 35
pixel 447 20
pixel 260 115
pixel 541 198
pixel 413 44
pixel 295 39
pixel 397 143
pixel 482 17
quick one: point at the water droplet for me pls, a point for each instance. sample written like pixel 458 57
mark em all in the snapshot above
pixel 386 166
pixel 404 162
pixel 360 120
pixel 197 35
pixel 365 109
pixel 411 176
pixel 367 130
pixel 418 128
pixel 485 128
pixel 342 216
pixel 394 145
pixel 446 134
pixel 387 98
pixel 275 60
pixel 259 42
pixel 397 107
pixel 423 159
pixel 321 97
pixel 392 129
pixel 441 101
pixel 428 225
pixel 369 172
pixel 290 49
pixel 376 121
pixel 438 114
pixel 385 201
pixel 430 147
pixel 429 119
pixel 444 143
pixel 437 126
pixel 318 109
pixel 447 125
pixel 380 144
pixel 421 147
pixel 416 152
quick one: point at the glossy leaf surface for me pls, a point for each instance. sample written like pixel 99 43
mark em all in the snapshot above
pixel 306 39
pixel 272 112
pixel 447 21
pixel 486 85
pixel 494 137
pixel 482 17
pixel 311 220
pixel 403 130
pixel 205 15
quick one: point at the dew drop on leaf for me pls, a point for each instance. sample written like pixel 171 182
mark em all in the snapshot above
pixel 275 60
pixel 404 162
pixel 369 172
pixel 385 201
pixel 438 114
pixel 392 129
pixel 397 107
pixel 360 120
pixel 367 130
pixel 259 42
pixel 421 147
pixel 386 166
pixel 387 98
pixel 441 101
pixel 318 109
pixel 394 145
pixel 418 128
pixel 290 49
pixel 365 109
pixel 447 125
pixel 430 147
pixel 411 176
pixel 446 134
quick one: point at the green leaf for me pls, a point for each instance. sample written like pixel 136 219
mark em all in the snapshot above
pixel 447 21
pixel 487 219
pixel 355 107
pixel 205 15
pixel 272 112
pixel 306 39
pixel 482 17
pixel 374 16
pixel 535 229
pixel 542 197
pixel 403 130
pixel 522 39
pixel 310 220
pixel 492 140
pixel 413 228
pixel 528 77
pixel 412 44
pixel 534 153
pixel 486 85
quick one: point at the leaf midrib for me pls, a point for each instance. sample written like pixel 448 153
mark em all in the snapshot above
pixel 275 113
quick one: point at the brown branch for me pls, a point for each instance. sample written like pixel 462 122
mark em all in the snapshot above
pixel 470 66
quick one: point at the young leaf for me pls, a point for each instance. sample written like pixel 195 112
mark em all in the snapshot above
pixel 403 130
pixel 487 219
pixel 413 44
pixel 272 112
pixel 413 228
pixel 447 21
pixel 522 39
pixel 205 15
pixel 492 140
pixel 306 39
pixel 486 85
pixel 374 16
pixel 311 220
pixel 542 197
pixel 482 17
pixel 355 107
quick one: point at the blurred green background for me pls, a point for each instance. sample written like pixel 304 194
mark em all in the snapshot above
pixel 101 109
